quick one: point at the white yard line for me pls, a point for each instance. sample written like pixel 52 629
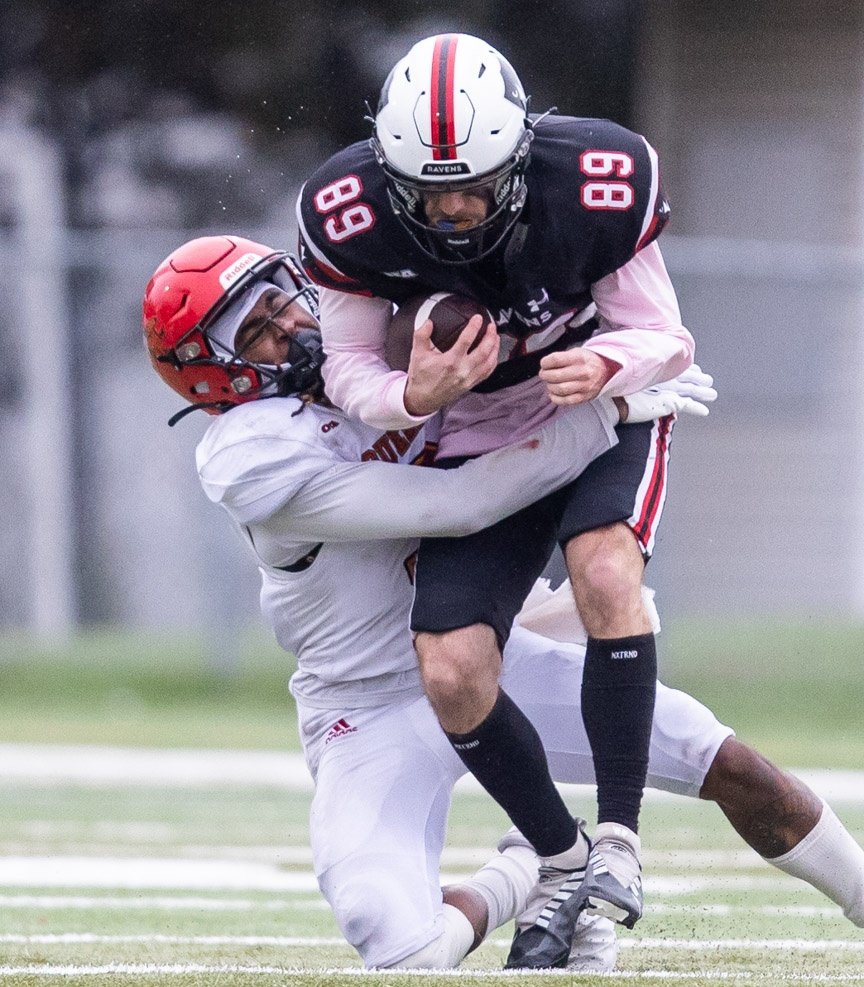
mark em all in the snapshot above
pixel 180 969
pixel 686 945
pixel 453 858
pixel 150 872
pixel 154 873
pixel 159 903
pixel 94 765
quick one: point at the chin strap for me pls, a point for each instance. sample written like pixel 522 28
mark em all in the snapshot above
pixel 183 412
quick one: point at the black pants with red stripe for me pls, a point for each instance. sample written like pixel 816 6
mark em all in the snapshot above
pixel 484 578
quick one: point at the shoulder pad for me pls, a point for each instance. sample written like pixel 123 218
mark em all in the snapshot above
pixel 613 181
pixel 340 214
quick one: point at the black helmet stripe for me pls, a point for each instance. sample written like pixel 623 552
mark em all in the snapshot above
pixel 442 109
pixel 512 85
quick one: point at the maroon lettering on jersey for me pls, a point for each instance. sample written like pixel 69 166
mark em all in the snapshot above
pixel 383 449
pixel 391 445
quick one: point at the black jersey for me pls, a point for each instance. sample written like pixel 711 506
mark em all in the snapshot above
pixel 593 201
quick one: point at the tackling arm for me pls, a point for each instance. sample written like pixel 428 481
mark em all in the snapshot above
pixel 361 501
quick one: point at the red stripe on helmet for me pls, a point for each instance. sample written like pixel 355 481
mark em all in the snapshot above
pixel 442 104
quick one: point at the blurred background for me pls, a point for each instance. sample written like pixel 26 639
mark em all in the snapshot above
pixel 128 127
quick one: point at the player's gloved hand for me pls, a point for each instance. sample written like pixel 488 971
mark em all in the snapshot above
pixel 693 383
pixel 689 393
pixel 657 402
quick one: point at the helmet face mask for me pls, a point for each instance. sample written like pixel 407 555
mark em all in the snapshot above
pixel 195 303
pixel 453 117
pixel 503 190
pixel 300 372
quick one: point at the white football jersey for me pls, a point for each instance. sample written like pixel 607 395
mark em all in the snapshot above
pixel 316 492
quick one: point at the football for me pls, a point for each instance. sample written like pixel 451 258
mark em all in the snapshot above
pixel 449 314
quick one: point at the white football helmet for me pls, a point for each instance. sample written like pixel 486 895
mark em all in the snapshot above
pixel 453 115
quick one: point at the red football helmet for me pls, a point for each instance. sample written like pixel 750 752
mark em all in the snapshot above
pixel 191 288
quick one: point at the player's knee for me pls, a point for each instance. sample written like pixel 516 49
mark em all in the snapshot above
pixel 446 950
pixel 458 666
pixel 374 919
pixel 606 582
pixel 367 917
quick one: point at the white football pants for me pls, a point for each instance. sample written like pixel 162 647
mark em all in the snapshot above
pixel 383 780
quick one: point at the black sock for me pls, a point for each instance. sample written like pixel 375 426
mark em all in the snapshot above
pixel 505 754
pixel 619 685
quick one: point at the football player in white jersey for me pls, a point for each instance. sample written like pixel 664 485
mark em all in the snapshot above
pixel 333 517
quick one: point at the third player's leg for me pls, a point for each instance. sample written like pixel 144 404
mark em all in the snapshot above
pixel 769 808
pixel 788 824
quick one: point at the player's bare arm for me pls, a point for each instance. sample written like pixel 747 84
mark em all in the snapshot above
pixel 437 378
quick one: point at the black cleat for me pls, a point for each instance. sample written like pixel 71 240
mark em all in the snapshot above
pixel 546 944
pixel 546 928
pixel 610 886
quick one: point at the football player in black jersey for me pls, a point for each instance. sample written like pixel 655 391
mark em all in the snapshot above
pixel 550 222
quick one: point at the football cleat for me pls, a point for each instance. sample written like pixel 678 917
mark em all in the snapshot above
pixel 545 929
pixel 595 946
pixel 613 879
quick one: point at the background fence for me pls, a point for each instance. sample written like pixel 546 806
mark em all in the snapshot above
pixel 763 136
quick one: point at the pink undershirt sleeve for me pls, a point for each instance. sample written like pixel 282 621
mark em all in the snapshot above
pixel 641 324
pixel 356 376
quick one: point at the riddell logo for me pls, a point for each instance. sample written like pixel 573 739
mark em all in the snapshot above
pixel 329 426
pixel 339 729
pixel 230 274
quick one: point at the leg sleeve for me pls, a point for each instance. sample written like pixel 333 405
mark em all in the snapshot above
pixel 544 678
pixel 377 825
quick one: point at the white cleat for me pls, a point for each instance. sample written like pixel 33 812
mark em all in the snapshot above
pixel 595 945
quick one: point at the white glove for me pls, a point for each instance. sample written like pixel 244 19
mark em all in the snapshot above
pixel 656 402
pixel 692 384
pixel 689 394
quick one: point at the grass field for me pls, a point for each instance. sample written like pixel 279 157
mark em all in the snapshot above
pixel 113 883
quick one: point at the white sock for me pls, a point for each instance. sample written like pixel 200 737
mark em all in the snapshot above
pixel 504 883
pixel 572 859
pixel 445 952
pixel 830 860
